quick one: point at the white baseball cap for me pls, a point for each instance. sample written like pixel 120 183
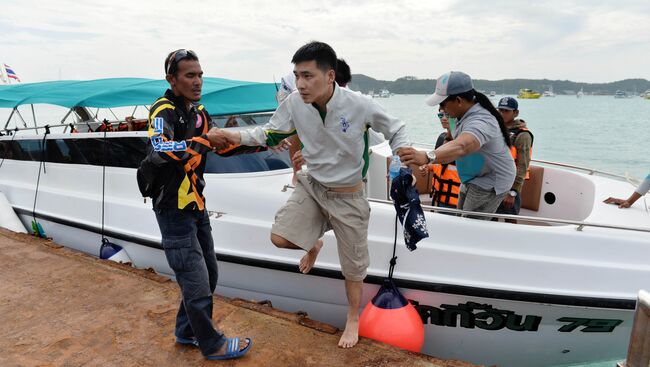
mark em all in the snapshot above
pixel 451 83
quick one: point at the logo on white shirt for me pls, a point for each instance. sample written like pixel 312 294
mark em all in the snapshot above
pixel 345 124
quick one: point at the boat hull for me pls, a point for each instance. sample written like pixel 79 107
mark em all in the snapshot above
pixel 458 325
pixel 488 292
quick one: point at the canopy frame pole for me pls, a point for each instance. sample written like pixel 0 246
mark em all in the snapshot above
pixel 33 115
pixel 23 120
pixel 65 117
pixel 134 109
pixel 114 115
pixel 10 116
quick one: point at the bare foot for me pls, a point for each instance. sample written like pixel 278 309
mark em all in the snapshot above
pixel 308 260
pixel 350 335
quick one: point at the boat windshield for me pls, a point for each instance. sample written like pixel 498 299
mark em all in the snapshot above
pixel 126 152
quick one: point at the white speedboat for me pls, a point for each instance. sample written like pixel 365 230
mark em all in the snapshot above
pixel 557 288
pixel 384 93
pixel 549 92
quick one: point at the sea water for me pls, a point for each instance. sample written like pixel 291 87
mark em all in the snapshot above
pixel 600 132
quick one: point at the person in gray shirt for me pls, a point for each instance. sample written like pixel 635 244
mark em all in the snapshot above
pixel 481 145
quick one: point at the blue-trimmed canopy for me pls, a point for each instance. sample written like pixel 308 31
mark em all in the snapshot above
pixel 220 96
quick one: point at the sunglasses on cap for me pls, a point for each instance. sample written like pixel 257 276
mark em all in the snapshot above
pixel 177 56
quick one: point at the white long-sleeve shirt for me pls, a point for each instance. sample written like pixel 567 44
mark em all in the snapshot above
pixel 336 149
pixel 644 187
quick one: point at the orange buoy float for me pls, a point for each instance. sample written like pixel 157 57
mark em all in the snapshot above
pixel 391 319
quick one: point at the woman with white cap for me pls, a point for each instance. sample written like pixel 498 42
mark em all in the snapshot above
pixel 480 146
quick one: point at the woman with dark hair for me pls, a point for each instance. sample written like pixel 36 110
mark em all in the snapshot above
pixel 480 146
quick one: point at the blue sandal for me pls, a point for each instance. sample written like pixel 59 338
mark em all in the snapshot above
pixel 232 350
pixel 187 341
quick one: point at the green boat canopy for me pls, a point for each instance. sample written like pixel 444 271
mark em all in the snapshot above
pixel 220 96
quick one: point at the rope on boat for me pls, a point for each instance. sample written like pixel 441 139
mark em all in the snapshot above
pixel 107 249
pixel 105 241
pixel 36 227
pixel 393 260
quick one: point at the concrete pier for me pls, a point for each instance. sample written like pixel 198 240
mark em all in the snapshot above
pixel 59 307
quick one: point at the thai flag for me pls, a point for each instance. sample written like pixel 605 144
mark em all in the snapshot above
pixel 11 73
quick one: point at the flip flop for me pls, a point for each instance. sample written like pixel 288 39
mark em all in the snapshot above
pixel 232 351
pixel 187 341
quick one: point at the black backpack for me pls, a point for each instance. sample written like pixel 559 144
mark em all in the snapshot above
pixel 148 177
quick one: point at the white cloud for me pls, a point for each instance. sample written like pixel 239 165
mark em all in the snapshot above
pixel 254 40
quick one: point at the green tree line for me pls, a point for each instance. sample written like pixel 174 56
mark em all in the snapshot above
pixel 410 85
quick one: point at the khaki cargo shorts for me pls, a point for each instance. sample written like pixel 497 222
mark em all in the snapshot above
pixel 313 209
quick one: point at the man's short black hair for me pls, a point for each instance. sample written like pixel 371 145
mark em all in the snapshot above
pixel 320 52
pixel 343 75
pixel 174 57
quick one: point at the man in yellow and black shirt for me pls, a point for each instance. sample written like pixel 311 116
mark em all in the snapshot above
pixel 181 134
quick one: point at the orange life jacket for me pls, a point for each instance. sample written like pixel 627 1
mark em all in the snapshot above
pixel 445 184
pixel 513 150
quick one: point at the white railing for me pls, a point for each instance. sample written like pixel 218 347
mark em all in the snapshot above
pixel 590 171
pixel 579 224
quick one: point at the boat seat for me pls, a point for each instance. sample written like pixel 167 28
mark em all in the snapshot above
pixel 531 192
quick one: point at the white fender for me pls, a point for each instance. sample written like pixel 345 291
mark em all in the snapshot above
pixel 8 218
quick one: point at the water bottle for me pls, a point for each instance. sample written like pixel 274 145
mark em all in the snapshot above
pixel 395 165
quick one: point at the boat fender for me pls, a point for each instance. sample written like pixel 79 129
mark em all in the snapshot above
pixel 38 229
pixel 8 218
pixel 113 252
pixel 392 319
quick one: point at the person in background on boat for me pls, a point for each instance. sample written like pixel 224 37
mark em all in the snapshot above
pixel 332 122
pixel 182 134
pixel 643 189
pixel 481 144
pixel 445 183
pixel 134 124
pixel 343 73
pixel 232 122
pixel 522 152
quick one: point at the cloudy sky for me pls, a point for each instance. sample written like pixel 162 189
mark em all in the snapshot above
pixel 589 41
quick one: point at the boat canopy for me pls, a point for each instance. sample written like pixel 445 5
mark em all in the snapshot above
pixel 220 96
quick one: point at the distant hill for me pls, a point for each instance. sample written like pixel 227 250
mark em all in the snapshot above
pixel 411 85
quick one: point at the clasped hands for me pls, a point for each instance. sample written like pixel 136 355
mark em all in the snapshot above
pixel 221 138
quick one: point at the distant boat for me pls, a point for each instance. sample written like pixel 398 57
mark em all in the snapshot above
pixel 526 93
pixel 620 94
pixel 549 92
pixel 384 93
pixel 580 94
pixel 646 94
pixel 493 93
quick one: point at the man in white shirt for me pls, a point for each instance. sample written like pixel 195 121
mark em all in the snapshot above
pixel 332 123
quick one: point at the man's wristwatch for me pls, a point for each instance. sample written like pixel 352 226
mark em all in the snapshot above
pixel 431 155
pixel 512 193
